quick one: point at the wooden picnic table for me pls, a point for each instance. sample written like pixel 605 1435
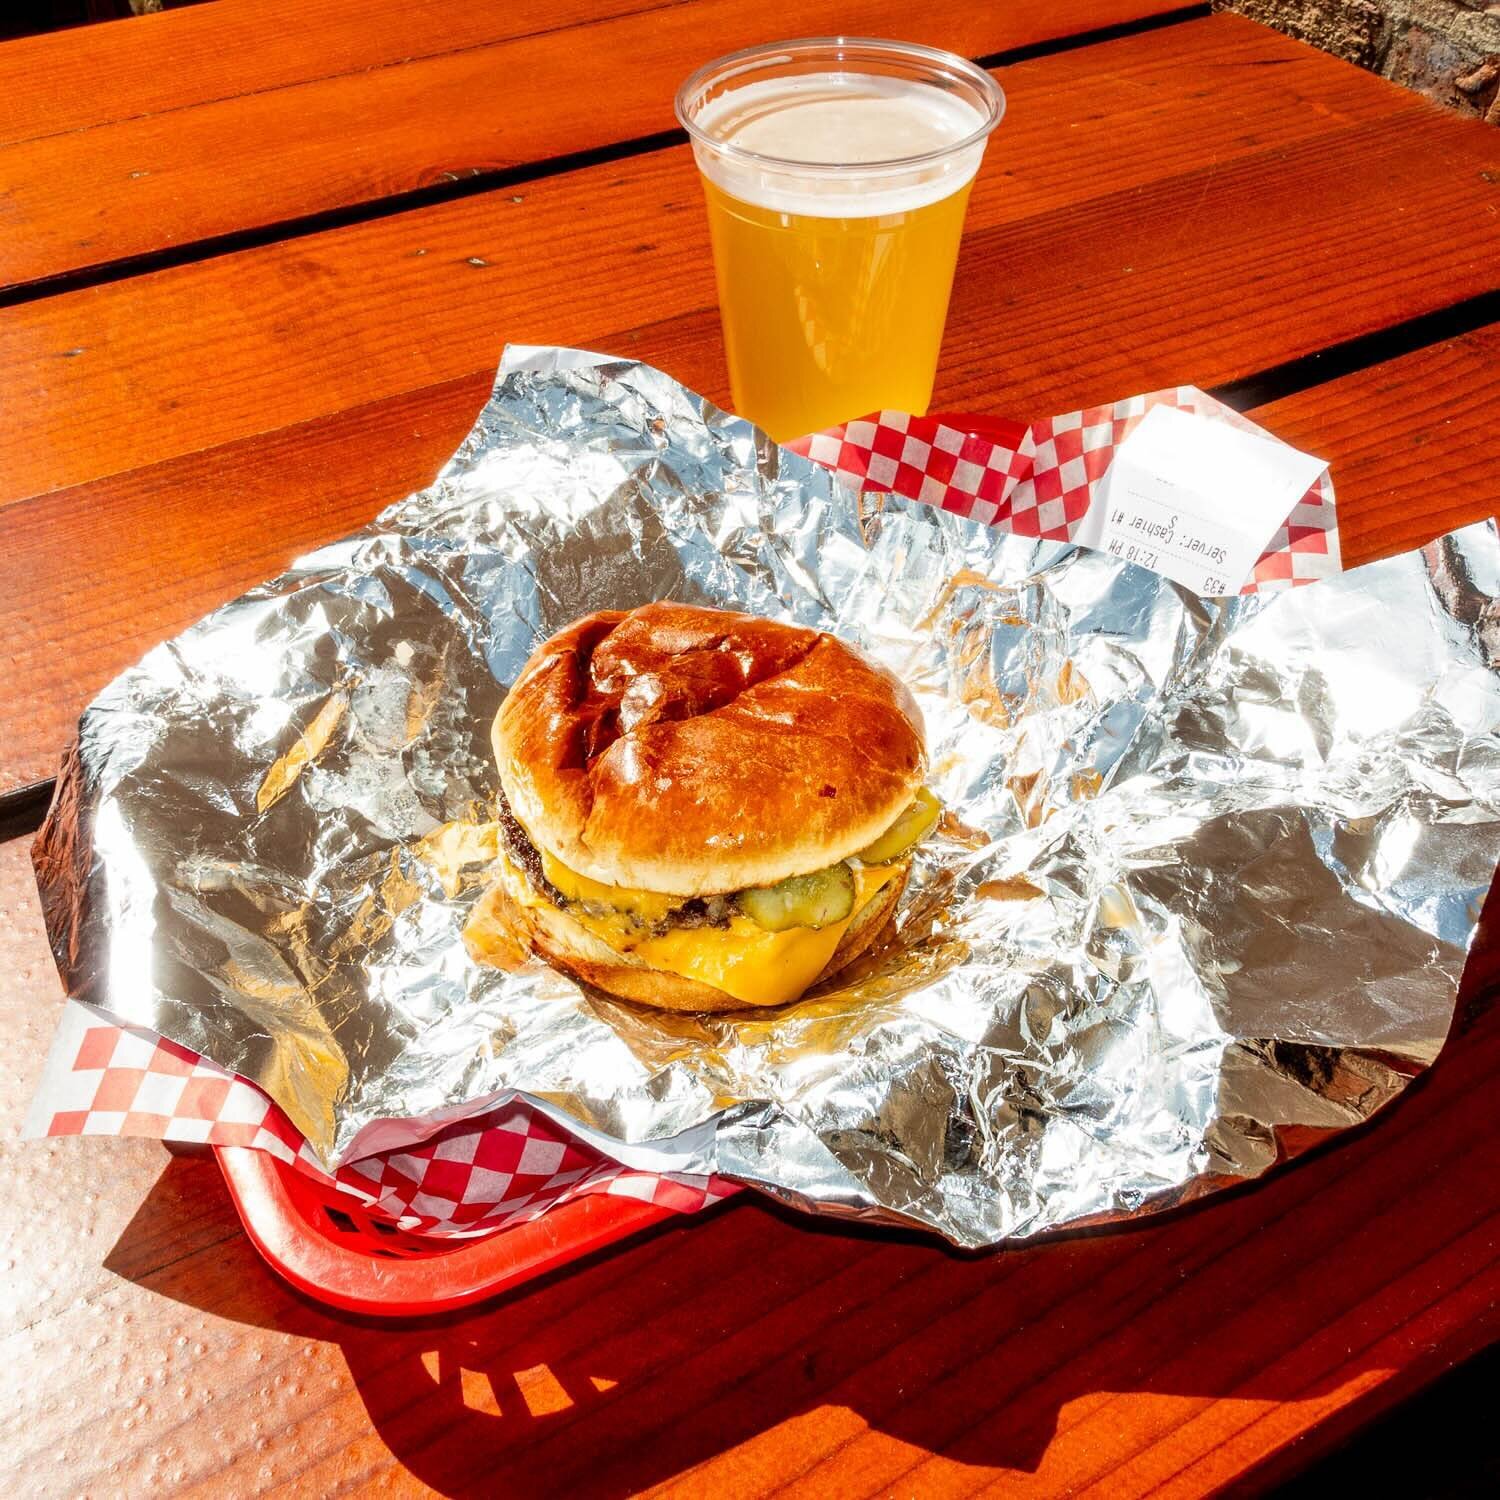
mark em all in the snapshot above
pixel 257 269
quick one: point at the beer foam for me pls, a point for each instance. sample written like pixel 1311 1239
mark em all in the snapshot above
pixel 866 124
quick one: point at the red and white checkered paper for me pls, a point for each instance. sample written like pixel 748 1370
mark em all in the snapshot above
pixel 490 1172
pixel 1045 484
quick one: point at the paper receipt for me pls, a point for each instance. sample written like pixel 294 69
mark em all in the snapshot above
pixel 1198 500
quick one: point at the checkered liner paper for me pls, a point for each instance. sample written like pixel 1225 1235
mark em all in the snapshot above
pixel 489 1172
pixel 1045 485
pixel 503 1167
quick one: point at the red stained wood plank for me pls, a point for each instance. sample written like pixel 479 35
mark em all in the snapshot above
pixel 73 80
pixel 174 61
pixel 1407 439
pixel 489 89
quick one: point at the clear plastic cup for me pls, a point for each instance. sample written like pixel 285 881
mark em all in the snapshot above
pixel 836 172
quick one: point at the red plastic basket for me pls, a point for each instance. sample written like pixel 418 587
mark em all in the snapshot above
pixel 322 1242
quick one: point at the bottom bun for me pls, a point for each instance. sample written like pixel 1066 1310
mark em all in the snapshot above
pixel 567 945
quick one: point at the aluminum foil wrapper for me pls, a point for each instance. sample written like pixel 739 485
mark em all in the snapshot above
pixel 1203 892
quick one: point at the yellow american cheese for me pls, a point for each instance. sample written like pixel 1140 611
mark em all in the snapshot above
pixel 753 965
pixel 743 960
pixel 645 904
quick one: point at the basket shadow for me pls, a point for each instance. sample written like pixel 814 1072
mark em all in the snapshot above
pixel 664 1352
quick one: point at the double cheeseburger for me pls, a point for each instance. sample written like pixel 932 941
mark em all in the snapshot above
pixel 704 810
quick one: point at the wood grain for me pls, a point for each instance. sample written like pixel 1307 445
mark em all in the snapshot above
pixel 72 81
pixel 747 1353
pixel 267 155
pixel 59 82
pixel 1108 250
pixel 1407 441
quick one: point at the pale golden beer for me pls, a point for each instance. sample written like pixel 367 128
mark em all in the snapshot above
pixel 836 175
pixel 826 319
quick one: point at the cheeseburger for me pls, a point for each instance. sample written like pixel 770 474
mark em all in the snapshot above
pixel 703 810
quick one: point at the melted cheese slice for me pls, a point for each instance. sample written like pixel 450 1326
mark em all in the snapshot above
pixel 753 965
pixel 743 959
pixel 648 905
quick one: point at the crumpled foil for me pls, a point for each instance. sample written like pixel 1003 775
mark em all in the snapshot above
pixel 1203 892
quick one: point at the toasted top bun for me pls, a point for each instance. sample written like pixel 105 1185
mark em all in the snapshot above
pixel 697 751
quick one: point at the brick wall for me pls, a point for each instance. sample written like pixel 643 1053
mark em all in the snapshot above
pixel 1446 49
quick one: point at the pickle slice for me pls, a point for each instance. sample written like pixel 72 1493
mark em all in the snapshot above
pixel 915 823
pixel 802 900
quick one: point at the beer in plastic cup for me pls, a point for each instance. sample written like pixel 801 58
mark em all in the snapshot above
pixel 836 172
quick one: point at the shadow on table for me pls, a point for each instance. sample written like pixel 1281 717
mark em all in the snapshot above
pixel 665 1352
